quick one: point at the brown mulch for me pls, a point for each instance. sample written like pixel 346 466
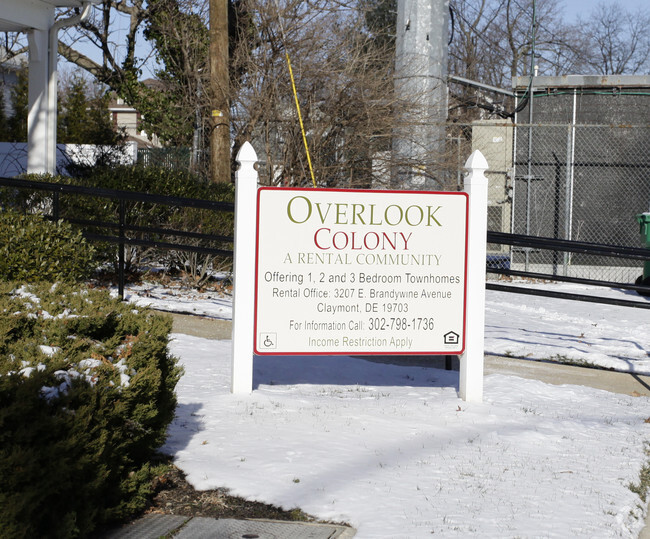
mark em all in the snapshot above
pixel 173 279
pixel 175 496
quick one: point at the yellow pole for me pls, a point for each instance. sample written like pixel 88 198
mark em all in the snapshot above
pixel 302 127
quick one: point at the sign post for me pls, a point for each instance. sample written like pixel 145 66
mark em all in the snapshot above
pixel 244 271
pixel 471 361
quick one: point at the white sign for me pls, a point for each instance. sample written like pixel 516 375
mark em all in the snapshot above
pixel 360 272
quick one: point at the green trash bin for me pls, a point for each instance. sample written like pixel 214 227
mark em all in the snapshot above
pixel 644 229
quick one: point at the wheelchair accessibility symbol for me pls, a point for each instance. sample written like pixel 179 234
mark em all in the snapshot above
pixel 268 341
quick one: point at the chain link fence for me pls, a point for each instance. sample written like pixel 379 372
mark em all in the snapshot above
pixel 576 182
pixel 172 158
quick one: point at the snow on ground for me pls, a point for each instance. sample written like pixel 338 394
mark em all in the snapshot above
pixel 394 452
pixel 536 327
pixel 180 299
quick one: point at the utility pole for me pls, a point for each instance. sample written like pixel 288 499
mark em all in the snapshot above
pixel 421 91
pixel 219 93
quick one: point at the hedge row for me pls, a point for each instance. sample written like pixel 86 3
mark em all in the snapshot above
pixel 33 249
pixel 154 180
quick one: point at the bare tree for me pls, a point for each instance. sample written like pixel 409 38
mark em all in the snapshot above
pixel 496 36
pixel 343 77
pixel 492 42
pixel 343 85
pixel 471 39
pixel 342 54
pixel 618 40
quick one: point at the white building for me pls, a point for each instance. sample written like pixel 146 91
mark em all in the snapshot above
pixel 128 119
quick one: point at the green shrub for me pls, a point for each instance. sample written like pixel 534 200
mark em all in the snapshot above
pixel 86 395
pixel 161 181
pixel 33 249
pixel 149 179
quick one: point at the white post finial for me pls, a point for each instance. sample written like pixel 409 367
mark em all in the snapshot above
pixel 247 156
pixel 471 361
pixel 476 162
pixel 244 271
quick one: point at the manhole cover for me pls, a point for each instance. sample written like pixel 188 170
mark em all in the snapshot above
pixel 200 528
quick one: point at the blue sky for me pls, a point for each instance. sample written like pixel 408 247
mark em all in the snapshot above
pixel 573 8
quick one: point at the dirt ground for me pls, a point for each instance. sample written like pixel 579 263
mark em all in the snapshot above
pixel 175 496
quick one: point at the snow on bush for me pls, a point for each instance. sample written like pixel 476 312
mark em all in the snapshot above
pixel 86 395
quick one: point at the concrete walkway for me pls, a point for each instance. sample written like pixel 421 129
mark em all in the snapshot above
pixel 156 526
pixel 557 374
pixel 201 326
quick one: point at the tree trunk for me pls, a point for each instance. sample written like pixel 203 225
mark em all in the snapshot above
pixel 219 91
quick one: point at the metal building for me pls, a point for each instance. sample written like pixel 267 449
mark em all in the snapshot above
pixel 581 168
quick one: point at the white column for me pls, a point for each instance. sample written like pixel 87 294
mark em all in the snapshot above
pixel 244 271
pixel 471 361
pixel 38 115
pixel 52 96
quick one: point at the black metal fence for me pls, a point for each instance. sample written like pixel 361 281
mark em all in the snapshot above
pixel 556 246
pixel 120 231
pixel 172 158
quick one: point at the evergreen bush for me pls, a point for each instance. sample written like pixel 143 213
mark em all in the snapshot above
pixel 144 179
pixel 152 179
pixel 33 249
pixel 86 395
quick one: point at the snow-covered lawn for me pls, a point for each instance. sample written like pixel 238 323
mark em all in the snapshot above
pixel 394 452
pixel 536 327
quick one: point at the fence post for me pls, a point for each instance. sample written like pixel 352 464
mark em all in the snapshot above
pixel 244 271
pixel 55 206
pixel 121 246
pixel 471 361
